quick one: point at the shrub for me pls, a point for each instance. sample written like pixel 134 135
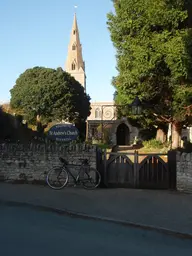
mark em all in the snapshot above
pixel 156 144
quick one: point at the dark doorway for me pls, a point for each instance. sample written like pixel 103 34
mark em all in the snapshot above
pixel 122 134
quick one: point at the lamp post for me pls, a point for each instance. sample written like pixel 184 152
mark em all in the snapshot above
pixel 136 106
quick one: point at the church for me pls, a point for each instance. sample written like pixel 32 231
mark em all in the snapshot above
pixel 103 114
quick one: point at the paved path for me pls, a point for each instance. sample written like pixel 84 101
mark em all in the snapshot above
pixel 164 209
pixel 31 232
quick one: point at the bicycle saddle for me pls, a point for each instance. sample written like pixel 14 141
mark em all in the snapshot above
pixel 62 160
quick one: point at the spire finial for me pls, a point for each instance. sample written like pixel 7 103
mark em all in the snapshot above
pixel 75 7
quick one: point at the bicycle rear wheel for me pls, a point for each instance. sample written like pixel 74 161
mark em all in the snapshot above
pixel 91 179
pixel 57 178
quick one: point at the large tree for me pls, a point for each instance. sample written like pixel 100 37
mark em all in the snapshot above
pixel 153 39
pixel 45 94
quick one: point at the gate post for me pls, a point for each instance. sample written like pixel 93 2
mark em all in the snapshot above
pixel 135 169
pixel 172 167
pixel 105 168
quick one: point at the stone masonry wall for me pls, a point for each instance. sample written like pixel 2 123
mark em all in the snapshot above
pixel 184 171
pixel 30 163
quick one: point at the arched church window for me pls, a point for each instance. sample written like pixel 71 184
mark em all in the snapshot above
pixel 73 66
pixel 97 113
pixel 73 47
pixel 74 32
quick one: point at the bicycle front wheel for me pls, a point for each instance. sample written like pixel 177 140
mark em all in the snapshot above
pixel 91 179
pixel 57 178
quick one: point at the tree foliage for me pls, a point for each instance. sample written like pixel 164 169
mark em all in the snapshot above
pixel 51 95
pixel 153 39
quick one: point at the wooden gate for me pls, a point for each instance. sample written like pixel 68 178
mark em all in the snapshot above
pixel 135 170
pixel 153 171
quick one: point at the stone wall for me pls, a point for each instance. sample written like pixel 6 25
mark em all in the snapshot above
pixel 30 163
pixel 184 171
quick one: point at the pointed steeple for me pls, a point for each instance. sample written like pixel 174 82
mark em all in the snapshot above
pixel 75 64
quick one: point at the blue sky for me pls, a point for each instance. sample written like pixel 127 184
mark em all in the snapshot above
pixel 37 33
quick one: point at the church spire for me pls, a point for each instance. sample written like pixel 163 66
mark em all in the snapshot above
pixel 75 64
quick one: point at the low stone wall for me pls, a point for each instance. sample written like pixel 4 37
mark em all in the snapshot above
pixel 184 171
pixel 30 163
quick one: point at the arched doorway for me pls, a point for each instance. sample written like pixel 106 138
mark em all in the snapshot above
pixel 122 134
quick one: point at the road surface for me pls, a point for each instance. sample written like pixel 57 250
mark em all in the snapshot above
pixel 30 232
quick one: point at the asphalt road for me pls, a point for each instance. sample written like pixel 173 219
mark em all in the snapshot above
pixel 30 232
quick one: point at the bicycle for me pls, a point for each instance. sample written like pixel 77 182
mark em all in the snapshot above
pixel 58 177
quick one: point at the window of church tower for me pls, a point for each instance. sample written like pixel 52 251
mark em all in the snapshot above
pixel 74 32
pixel 73 66
pixel 73 47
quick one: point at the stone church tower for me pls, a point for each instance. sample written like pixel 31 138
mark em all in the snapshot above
pixel 75 64
pixel 102 113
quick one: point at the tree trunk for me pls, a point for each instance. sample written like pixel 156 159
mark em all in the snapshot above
pixel 169 132
pixel 161 135
pixel 176 135
pixel 38 118
pixel 39 124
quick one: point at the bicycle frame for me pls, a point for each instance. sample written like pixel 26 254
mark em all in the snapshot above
pixel 89 179
pixel 82 168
